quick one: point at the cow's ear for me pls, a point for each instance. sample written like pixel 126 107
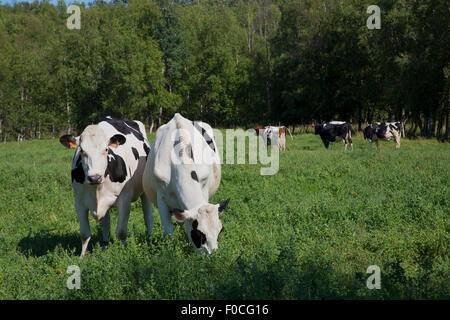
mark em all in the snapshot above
pixel 180 215
pixel 116 140
pixel 223 205
pixel 69 141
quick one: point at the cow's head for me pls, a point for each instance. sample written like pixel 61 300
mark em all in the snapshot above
pixel 94 146
pixel 318 128
pixel 203 224
pixel 381 130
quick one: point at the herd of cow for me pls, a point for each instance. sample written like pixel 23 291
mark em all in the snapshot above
pixel 334 131
pixel 114 165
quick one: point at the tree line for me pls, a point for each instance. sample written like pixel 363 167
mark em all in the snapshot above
pixel 227 62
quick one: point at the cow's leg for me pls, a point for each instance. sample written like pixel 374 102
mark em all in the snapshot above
pixel 345 143
pixel 376 143
pixel 106 225
pixel 397 140
pixel 85 230
pixel 147 209
pixel 370 143
pixel 325 142
pixel 164 214
pixel 124 213
pixel 350 141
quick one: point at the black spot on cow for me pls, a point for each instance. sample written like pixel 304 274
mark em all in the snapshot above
pixel 205 135
pixel 135 152
pixel 375 130
pixel 78 173
pixel 194 175
pixel 146 148
pixel 125 127
pixel 197 236
pixel 116 168
pixel 189 151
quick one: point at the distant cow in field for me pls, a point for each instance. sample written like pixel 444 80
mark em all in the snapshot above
pixel 333 131
pixel 181 175
pixel 107 171
pixel 259 130
pixel 276 135
pixel 385 131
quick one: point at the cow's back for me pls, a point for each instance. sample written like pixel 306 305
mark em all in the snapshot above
pixel 157 173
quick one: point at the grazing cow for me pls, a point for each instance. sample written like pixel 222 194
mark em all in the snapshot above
pixel 277 135
pixel 385 131
pixel 107 170
pixel 334 130
pixel 182 173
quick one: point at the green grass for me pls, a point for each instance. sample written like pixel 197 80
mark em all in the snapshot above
pixel 308 232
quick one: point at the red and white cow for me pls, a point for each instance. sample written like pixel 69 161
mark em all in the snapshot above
pixel 276 136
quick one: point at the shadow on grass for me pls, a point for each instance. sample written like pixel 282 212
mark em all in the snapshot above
pixel 40 244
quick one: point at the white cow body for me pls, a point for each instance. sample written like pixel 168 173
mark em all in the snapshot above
pixel 182 173
pixel 107 173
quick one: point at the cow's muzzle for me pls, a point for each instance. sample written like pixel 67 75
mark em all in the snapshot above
pixel 95 179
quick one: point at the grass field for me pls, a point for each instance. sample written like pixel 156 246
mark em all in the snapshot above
pixel 308 232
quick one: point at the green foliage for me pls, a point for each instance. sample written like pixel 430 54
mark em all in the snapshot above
pixel 229 63
pixel 308 232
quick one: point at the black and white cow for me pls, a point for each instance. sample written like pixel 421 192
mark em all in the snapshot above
pixel 107 171
pixel 333 131
pixel 182 173
pixel 385 131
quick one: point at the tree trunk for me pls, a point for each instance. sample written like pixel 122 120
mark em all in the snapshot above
pixel 412 131
pixel 359 119
pixel 439 126
pixel 447 124
pixel 369 116
pixel 421 127
pixel 430 126
pixel 390 115
pixel 160 116
pixel 69 125
pixel 152 123
pixel 266 41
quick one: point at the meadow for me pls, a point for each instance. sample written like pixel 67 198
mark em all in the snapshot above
pixel 308 232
